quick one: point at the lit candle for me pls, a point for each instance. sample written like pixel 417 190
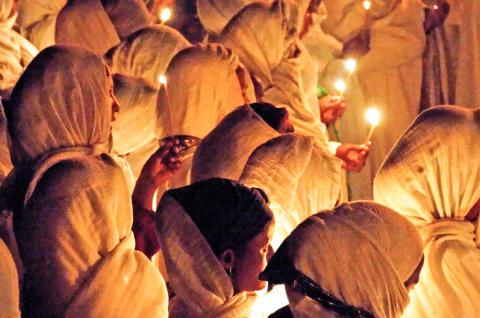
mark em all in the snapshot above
pixel 373 118
pixel 367 5
pixel 350 65
pixel 162 79
pixel 340 86
pixel 165 15
pixel 435 7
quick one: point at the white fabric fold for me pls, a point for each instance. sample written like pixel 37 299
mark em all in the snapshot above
pixel 85 23
pixel 146 53
pixel 431 178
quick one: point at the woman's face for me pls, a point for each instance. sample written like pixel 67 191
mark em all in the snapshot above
pixel 252 260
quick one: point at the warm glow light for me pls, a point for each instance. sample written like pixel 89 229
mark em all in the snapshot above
pixel 373 116
pixel 350 65
pixel 162 79
pixel 165 15
pixel 435 7
pixel 340 86
pixel 367 5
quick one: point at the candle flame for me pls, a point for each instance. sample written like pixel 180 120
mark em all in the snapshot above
pixel 367 5
pixel 165 15
pixel 340 86
pixel 435 7
pixel 351 65
pixel 373 116
pixel 162 79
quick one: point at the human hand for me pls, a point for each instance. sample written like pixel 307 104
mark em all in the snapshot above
pixel 353 156
pixel 331 108
pixel 159 168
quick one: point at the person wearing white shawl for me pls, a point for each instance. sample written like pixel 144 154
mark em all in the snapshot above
pixel 389 63
pixel 15 51
pixel 296 174
pixel 215 235
pixel 146 53
pixel 202 89
pixel 264 37
pixel 431 177
pixel 9 293
pixel 72 210
pixel 358 260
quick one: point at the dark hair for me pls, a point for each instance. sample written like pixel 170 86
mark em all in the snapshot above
pixel 227 213
pixel 272 115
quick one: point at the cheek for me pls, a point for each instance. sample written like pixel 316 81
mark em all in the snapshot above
pixel 249 270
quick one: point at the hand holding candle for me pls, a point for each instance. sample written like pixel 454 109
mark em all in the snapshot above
pixel 373 118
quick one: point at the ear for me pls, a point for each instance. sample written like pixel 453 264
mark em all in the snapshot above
pixel 227 259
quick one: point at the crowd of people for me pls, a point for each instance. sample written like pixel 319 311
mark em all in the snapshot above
pixel 208 166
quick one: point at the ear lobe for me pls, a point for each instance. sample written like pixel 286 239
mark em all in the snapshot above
pixel 227 259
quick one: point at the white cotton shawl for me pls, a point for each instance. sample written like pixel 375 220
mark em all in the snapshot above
pixel 127 16
pixel 85 23
pixel 196 275
pixel 15 51
pixel 37 19
pixel 260 35
pixel 9 294
pixel 146 53
pixel 202 88
pixel 73 227
pixel 215 14
pixel 136 122
pixel 362 253
pixel 225 150
pixel 432 178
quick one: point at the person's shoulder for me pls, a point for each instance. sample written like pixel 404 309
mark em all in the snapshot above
pixel 284 312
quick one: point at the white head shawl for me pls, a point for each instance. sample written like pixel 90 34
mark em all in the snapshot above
pixel 225 150
pixel 146 53
pixel 127 16
pixel 432 178
pixel 85 23
pixel 260 35
pixel 215 14
pixel 361 253
pixel 33 11
pixel 53 107
pixel 276 167
pixel 9 294
pixel 77 209
pixel 136 122
pixel 202 88
pixel 197 277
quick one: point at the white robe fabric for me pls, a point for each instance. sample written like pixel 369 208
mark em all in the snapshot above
pixel 127 16
pixel 73 210
pixel 9 294
pixel 85 23
pixel 432 178
pixel 362 253
pixel 196 275
pixel 37 20
pixel 468 71
pixel 146 53
pixel 390 73
pixel 15 51
pixel 202 89
pixel 265 38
